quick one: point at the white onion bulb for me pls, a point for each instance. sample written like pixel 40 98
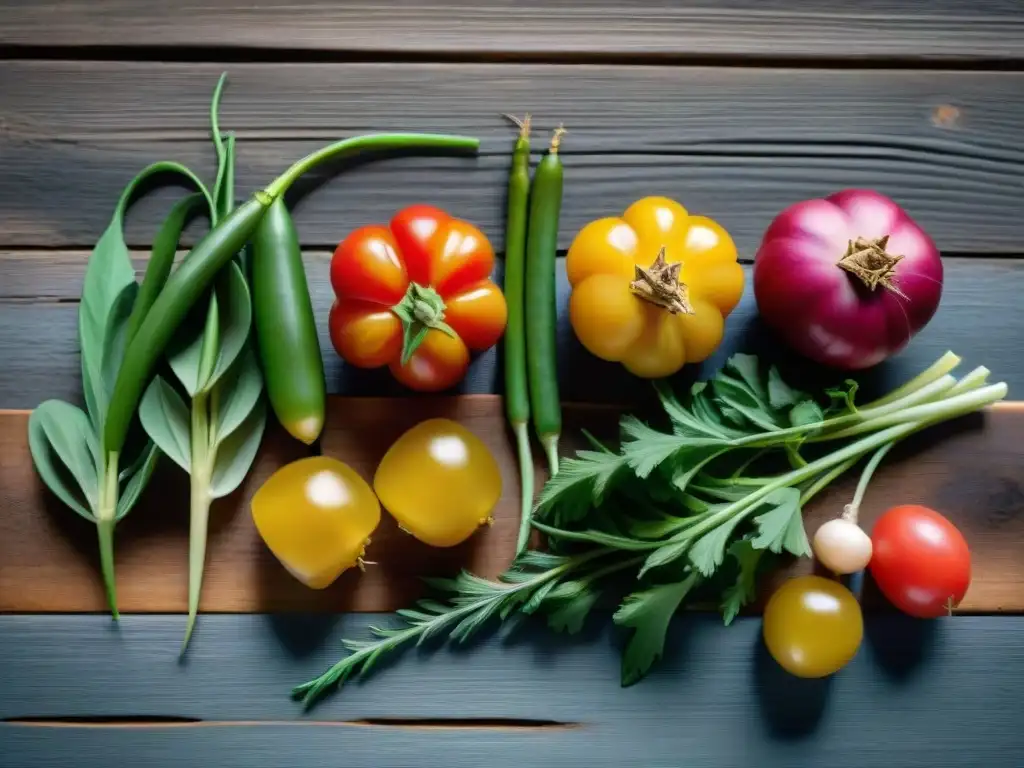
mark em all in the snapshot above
pixel 842 546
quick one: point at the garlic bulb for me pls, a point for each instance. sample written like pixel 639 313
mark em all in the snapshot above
pixel 842 546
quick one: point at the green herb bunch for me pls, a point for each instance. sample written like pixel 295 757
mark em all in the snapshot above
pixel 697 508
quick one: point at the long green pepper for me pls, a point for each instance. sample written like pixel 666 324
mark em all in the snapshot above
pixel 541 318
pixel 517 400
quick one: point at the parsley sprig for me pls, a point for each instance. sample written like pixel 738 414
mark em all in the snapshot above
pixel 699 507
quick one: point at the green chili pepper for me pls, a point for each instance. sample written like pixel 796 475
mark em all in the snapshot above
pixel 541 248
pixel 293 369
pixel 517 401
pixel 187 283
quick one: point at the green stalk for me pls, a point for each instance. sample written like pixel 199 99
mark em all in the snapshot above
pixel 105 522
pixel 373 141
pixel 525 455
pixel 853 508
pixel 199 508
pixel 936 370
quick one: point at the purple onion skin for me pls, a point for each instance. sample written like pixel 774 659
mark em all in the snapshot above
pixel 828 314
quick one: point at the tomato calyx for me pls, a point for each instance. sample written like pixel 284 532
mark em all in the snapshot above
pixel 660 285
pixel 421 309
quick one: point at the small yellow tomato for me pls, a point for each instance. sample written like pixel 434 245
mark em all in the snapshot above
pixel 813 626
pixel 439 481
pixel 651 289
pixel 316 515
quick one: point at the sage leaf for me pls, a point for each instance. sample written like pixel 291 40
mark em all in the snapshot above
pixel 53 465
pixel 235 455
pixel 234 318
pixel 115 338
pixel 138 480
pixel 237 393
pixel 165 418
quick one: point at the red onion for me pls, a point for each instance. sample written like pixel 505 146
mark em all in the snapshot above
pixel 847 280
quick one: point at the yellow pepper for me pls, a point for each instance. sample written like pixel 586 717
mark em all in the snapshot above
pixel 651 289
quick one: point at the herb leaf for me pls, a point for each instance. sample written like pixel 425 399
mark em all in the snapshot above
pixel 235 455
pixel 578 486
pixel 649 613
pixel 138 479
pixel 237 393
pixel 744 590
pixel 165 418
pixel 782 526
pixel 66 462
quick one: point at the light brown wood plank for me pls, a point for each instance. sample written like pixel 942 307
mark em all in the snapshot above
pixel 47 563
pixel 939 29
pixel 735 144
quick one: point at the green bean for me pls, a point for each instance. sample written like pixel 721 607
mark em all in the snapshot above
pixel 188 282
pixel 293 369
pixel 541 247
pixel 517 401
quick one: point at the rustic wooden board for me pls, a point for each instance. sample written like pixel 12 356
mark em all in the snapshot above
pixel 793 29
pixel 737 144
pixel 39 291
pixel 48 563
pixel 918 695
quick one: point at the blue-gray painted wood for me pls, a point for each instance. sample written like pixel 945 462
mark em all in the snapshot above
pixel 930 694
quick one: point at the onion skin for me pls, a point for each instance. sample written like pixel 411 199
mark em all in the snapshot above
pixel 823 311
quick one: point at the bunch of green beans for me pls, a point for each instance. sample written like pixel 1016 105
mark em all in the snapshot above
pixel 188 282
pixel 531 375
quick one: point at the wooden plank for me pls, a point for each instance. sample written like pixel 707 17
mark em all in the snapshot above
pixel 39 291
pixel 736 144
pixel 917 694
pixel 887 29
pixel 47 554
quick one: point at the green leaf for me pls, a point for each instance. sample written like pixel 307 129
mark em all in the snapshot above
pixel 233 320
pixel 683 421
pixel 782 526
pixel 744 590
pixel 747 367
pixel 780 395
pixel 237 393
pixel 806 413
pixel 579 485
pixel 708 552
pixel 138 480
pixel 74 436
pixel 569 614
pixel 165 417
pixel 646 449
pixel 665 554
pixel 649 613
pixel 235 455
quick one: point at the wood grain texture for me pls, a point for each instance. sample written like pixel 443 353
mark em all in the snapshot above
pixel 969 471
pixel 918 695
pixel 942 29
pixel 732 143
pixel 39 319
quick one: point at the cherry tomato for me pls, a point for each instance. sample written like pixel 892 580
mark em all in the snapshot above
pixel 439 481
pixel 813 626
pixel 316 515
pixel 921 562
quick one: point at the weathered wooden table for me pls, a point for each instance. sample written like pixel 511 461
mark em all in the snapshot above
pixel 736 108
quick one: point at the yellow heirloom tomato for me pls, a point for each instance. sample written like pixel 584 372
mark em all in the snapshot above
pixel 651 289
pixel 439 481
pixel 316 515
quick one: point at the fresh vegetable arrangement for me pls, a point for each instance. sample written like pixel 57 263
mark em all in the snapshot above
pixel 690 505
pixel 92 460
pixel 693 508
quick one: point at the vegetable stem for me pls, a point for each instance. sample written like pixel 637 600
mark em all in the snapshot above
pixel 105 521
pixel 525 483
pixel 936 370
pixel 853 508
pixel 203 456
pixel 370 142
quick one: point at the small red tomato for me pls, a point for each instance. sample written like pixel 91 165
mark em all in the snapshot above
pixel 920 561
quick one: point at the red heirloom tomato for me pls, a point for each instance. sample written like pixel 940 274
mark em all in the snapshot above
pixel 920 561
pixel 416 295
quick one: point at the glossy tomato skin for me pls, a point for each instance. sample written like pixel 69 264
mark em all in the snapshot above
pixel 376 266
pixel 920 561
pixel 813 626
